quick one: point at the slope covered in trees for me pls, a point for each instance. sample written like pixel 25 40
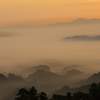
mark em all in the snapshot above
pixel 32 94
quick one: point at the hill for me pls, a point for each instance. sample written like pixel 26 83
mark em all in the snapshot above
pixel 82 38
pixel 48 81
pixel 35 68
pixel 79 21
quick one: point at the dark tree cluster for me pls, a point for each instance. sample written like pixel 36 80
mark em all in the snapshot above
pixel 30 94
pixel 93 94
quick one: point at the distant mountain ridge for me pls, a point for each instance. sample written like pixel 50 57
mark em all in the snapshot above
pixel 73 73
pixel 35 68
pixel 79 21
pixel 82 38
pixel 66 89
pixel 65 69
pixel 43 75
pixel 49 81
pixel 94 78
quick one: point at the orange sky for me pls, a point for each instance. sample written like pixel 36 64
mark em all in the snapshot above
pixel 42 12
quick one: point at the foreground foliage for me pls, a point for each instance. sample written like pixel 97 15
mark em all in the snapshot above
pixel 32 94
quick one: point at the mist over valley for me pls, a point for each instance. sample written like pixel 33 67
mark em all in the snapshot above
pixel 57 58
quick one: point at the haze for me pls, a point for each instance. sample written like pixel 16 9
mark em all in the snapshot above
pixel 23 46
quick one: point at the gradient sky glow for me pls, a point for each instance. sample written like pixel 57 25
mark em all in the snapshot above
pixel 42 12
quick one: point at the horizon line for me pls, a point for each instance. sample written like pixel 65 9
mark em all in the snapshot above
pixel 47 24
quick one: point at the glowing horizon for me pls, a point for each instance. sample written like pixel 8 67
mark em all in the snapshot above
pixel 29 12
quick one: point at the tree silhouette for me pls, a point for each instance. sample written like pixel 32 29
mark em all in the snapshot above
pixel 43 96
pixel 69 95
pixel 95 91
pixel 33 94
pixel 22 94
pixel 81 96
pixel 94 94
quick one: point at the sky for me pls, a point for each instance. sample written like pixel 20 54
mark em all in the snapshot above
pixel 43 12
